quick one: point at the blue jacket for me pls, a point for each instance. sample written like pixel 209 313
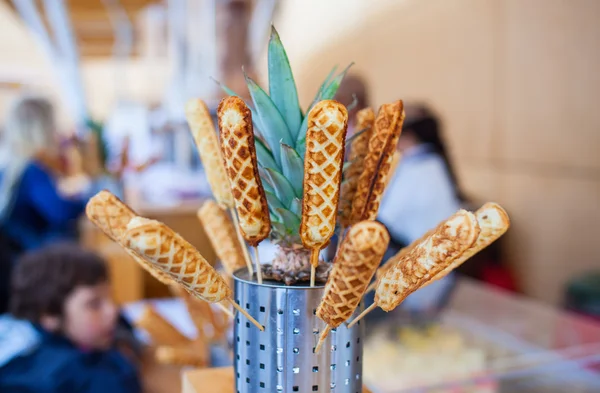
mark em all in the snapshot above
pixel 39 214
pixel 32 360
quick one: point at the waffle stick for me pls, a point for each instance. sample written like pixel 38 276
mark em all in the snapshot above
pixel 169 253
pixel 222 236
pixel 358 151
pixel 494 222
pixel 325 140
pixel 207 143
pixel 378 161
pixel 355 263
pixel 448 242
pixel 239 152
pixel 159 329
pixel 111 216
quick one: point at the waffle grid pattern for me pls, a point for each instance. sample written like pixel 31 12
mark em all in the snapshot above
pixel 325 138
pixel 171 254
pixel 425 260
pixel 237 144
pixel 352 271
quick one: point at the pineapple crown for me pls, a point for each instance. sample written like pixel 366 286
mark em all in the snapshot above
pixel 280 130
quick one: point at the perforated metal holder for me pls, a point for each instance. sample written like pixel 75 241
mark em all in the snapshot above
pixel 282 358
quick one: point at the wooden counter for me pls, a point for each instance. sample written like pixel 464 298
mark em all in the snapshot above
pixel 212 380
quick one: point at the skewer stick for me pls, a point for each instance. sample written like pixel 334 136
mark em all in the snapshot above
pixel 257 262
pixel 371 287
pixel 314 262
pixel 241 310
pixel 236 223
pixel 322 338
pixel 225 310
pixel 362 315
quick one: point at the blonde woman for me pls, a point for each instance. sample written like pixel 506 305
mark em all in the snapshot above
pixel 32 210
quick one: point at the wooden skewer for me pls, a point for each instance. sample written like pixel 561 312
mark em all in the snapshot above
pixel 371 287
pixel 257 262
pixel 241 310
pixel 225 310
pixel 362 315
pixel 314 262
pixel 322 338
pixel 236 223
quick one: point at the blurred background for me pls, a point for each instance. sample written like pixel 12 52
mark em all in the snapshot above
pixel 513 83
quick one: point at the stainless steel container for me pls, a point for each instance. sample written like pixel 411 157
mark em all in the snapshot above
pixel 282 358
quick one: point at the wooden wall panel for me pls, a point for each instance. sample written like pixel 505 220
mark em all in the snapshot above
pixel 550 63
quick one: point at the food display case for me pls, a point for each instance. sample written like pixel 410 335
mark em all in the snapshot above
pixel 486 340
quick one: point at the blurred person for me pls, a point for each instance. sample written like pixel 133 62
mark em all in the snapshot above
pixel 33 211
pixel 60 333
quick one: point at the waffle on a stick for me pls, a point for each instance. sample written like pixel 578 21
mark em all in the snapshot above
pixel 159 329
pixel 111 216
pixel 169 253
pixel 493 222
pixel 358 151
pixel 222 236
pixel 378 161
pixel 448 242
pixel 325 139
pixel 239 152
pixel 359 255
pixel 207 143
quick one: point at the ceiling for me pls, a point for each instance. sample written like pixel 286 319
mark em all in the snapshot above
pixel 92 25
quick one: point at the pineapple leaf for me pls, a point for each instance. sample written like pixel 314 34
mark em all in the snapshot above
pixel 290 220
pixel 279 226
pixel 282 87
pixel 353 104
pixel 282 187
pixel 293 168
pixel 266 181
pixel 355 135
pixel 274 127
pixel 263 155
pixel 347 165
pixel 296 207
pixel 274 203
pixel 328 93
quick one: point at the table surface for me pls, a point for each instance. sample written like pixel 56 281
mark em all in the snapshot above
pixel 212 380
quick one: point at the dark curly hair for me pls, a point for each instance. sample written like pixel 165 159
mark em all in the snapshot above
pixel 42 280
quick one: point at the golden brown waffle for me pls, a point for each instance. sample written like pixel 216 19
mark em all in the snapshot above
pixel 395 161
pixel 159 329
pixel 222 235
pixel 493 222
pixel 325 139
pixel 109 213
pixel 237 145
pixel 207 143
pixel 378 162
pixel 448 242
pixel 354 266
pixel 170 253
pixel 358 151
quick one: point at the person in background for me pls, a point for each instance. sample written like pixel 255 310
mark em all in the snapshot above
pixel 33 212
pixel 60 333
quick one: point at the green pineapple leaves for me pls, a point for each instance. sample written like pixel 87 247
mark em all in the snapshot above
pixel 263 155
pixel 274 128
pixel 326 92
pixel 290 220
pixel 293 167
pixel 282 88
pixel 282 187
